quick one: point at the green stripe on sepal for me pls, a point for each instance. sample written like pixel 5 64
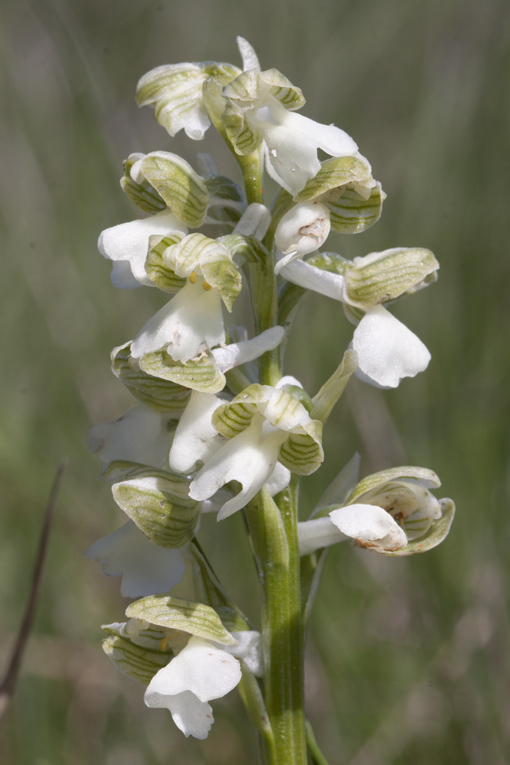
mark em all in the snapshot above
pixel 351 214
pixel 176 92
pixel 166 519
pixel 137 663
pixel 157 268
pixel 302 453
pixel 142 194
pixel 383 276
pixel 197 374
pixel 182 189
pixel 184 615
pixel 371 484
pixel 335 174
pixel 437 532
pixel 212 260
pixel 163 395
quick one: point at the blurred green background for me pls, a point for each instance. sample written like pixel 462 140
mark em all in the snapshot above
pixel 408 660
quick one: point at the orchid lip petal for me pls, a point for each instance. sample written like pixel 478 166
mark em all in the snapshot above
pixel 387 350
pixel 145 568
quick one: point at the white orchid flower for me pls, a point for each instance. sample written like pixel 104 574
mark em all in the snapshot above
pixel 387 350
pixel 260 109
pixel 202 671
pixel 127 246
pixel 386 512
pixel 145 568
pixel 264 426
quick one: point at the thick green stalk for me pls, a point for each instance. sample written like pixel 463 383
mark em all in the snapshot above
pixel 274 534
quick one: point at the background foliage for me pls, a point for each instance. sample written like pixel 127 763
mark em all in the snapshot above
pixel 408 660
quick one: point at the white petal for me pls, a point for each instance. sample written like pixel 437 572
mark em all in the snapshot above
pixel 247 458
pixel 140 435
pixel 324 282
pixel 239 353
pixel 146 568
pixel 279 479
pixel 387 350
pixel 370 526
pixel 202 668
pixel 250 59
pixel 317 533
pixel 195 438
pixel 128 243
pixel 190 323
pixel 292 142
pixel 249 649
pixel 192 716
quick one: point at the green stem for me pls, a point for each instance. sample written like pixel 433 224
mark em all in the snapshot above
pixel 274 534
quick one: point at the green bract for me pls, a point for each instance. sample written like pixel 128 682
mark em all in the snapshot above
pixel 184 615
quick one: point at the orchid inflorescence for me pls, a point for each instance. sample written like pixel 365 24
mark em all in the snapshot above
pixel 217 427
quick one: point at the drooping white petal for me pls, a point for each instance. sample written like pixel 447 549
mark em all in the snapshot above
pixel 250 59
pixel 199 673
pixel 140 435
pixel 127 246
pixel 324 282
pixel 240 353
pixel 192 716
pixel 146 568
pixel 248 458
pixel 190 323
pixel 370 526
pixel 317 533
pixel 195 438
pixel 387 350
pixel 249 649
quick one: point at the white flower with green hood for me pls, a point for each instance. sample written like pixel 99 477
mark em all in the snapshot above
pixel 392 512
pixel 387 350
pixel 184 654
pixel 255 439
pixel 259 112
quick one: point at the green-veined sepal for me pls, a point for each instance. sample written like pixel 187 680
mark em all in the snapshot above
pixel 181 188
pixel 140 192
pixel 165 516
pixel 164 395
pixel 183 615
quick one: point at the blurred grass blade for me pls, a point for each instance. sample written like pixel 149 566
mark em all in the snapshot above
pixel 8 683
